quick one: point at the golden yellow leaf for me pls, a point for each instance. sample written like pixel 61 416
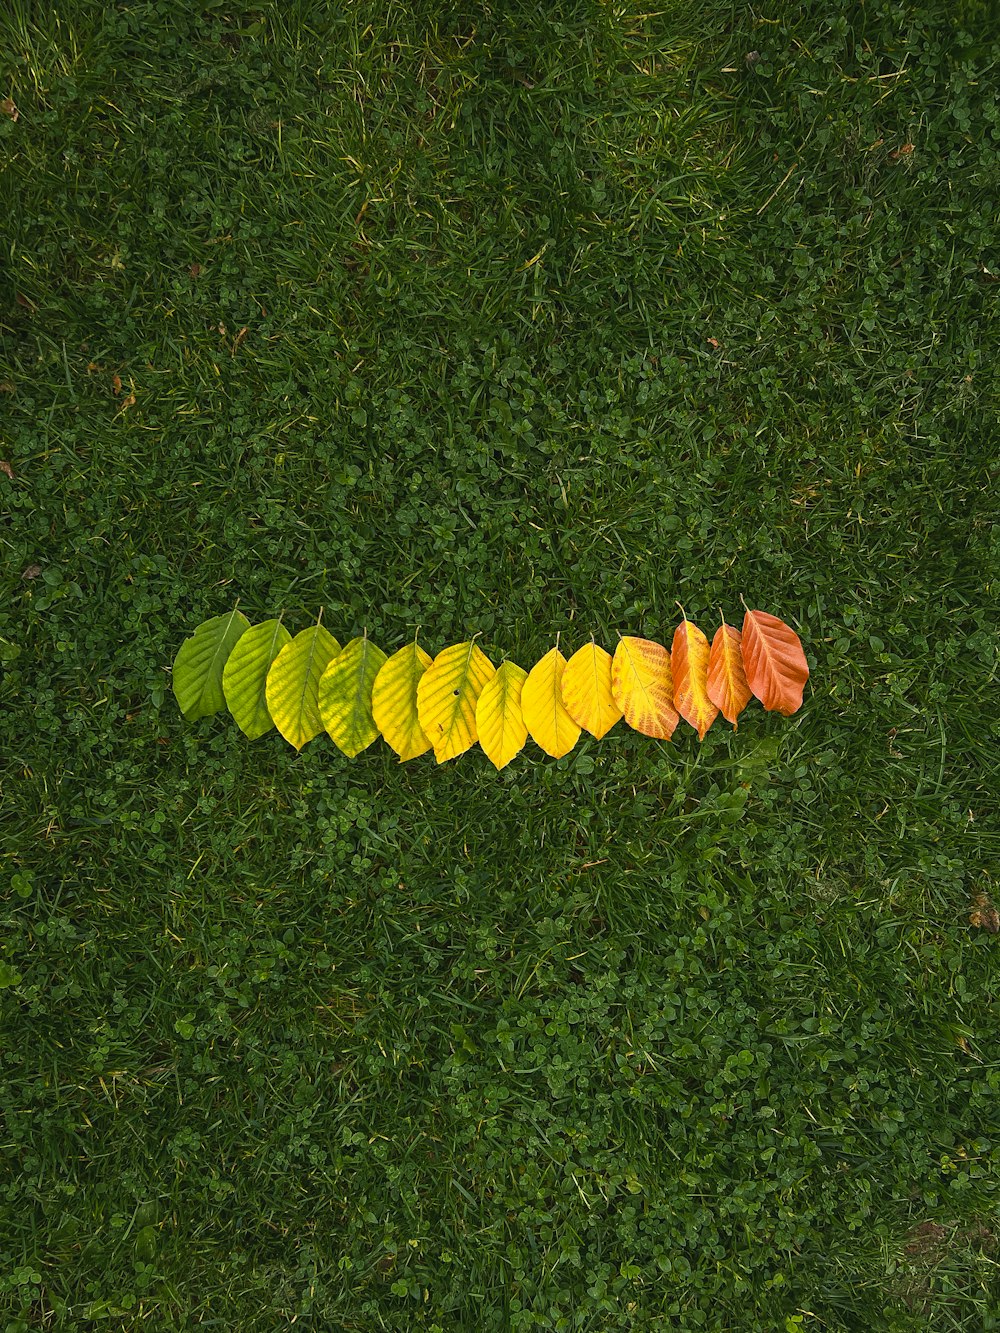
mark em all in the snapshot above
pixel 447 694
pixel 643 686
pixel 394 701
pixel 689 663
pixel 292 688
pixel 548 723
pixel 727 682
pixel 499 721
pixel 586 690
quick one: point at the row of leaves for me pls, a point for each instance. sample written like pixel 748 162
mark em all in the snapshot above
pixel 309 684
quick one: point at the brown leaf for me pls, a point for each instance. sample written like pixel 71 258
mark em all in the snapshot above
pixel 984 914
pixel 194 270
pixel 6 467
pixel 128 402
pixel 904 150
pixel 32 572
pixel 9 109
pixel 116 385
pixel 24 303
pixel 925 1237
pixel 239 338
pixel 6 386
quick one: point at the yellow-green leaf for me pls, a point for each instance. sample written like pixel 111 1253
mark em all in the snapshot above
pixel 293 684
pixel 501 728
pixel 548 723
pixel 200 661
pixel 586 690
pixel 345 696
pixel 245 676
pixel 447 694
pixel 644 686
pixel 394 701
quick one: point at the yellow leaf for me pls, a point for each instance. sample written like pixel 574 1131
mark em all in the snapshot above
pixel 643 686
pixel 501 728
pixel 548 723
pixel 394 701
pixel 447 694
pixel 689 663
pixel 586 690
pixel 292 688
pixel 345 696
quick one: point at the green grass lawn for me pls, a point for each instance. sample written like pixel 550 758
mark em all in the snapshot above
pixel 518 319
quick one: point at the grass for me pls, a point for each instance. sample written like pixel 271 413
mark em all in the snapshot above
pixel 519 320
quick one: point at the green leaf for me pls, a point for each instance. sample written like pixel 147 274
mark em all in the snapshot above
pixel 345 696
pixel 245 678
pixel 198 666
pixel 293 684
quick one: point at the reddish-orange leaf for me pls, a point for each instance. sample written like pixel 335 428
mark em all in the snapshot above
pixel 689 662
pixel 727 682
pixel 774 662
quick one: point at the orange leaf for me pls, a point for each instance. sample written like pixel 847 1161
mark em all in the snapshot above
pixel 727 682
pixel 689 661
pixel 774 662
pixel 643 687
